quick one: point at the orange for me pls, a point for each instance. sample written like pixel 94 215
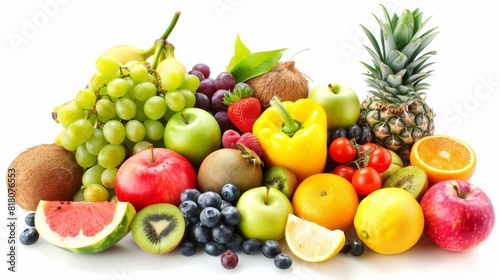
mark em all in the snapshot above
pixel 443 158
pixel 389 221
pixel 327 200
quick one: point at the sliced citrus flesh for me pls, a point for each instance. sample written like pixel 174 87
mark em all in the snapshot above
pixel 443 158
pixel 311 242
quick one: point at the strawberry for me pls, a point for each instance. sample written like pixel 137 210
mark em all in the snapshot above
pixel 243 109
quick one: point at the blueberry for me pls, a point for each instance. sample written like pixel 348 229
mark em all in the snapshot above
pixel 30 219
pixel 209 199
pixel 357 248
pixel 190 194
pixel 214 248
pixel 225 204
pixel 187 247
pixel 188 209
pixel 282 261
pixel 29 236
pixel 251 246
pixel 347 247
pixel 230 215
pixel 221 233
pixel 210 216
pixel 271 248
pixel 235 242
pixel 201 233
pixel 230 192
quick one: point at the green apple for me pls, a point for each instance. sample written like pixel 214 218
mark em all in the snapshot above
pixel 396 164
pixel 263 212
pixel 193 133
pixel 340 102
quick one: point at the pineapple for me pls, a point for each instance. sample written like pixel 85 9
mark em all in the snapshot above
pixel 395 107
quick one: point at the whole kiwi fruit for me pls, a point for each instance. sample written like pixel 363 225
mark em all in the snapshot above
pixel 43 172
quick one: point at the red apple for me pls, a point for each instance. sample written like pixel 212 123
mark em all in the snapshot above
pixel 153 176
pixel 458 215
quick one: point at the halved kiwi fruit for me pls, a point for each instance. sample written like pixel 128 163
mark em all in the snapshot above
pixel 411 178
pixel 158 228
pixel 281 178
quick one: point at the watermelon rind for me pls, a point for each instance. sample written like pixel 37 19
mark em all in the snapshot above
pixel 115 231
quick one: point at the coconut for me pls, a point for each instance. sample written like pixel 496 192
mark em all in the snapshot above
pixel 284 81
pixel 44 172
pixel 241 167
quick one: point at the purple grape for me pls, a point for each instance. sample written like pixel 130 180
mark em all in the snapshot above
pixel 225 81
pixel 223 120
pixel 217 100
pixel 229 259
pixel 198 74
pixel 207 86
pixel 202 102
pixel 203 68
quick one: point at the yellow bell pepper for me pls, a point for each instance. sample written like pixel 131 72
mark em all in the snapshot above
pixel 293 135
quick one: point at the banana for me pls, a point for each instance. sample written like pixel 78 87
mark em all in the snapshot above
pixel 170 63
pixel 58 107
pixel 125 53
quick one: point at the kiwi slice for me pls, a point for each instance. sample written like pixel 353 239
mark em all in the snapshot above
pixel 411 178
pixel 281 178
pixel 158 228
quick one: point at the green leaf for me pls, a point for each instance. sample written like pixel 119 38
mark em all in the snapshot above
pixel 256 64
pixel 240 52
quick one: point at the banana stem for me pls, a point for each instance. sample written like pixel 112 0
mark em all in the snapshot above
pixel 162 41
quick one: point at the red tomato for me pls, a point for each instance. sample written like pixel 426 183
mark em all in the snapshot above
pixel 366 180
pixel 342 151
pixel 344 171
pixel 366 147
pixel 380 159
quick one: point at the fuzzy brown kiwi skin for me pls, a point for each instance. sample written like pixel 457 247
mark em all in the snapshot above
pixel 284 81
pixel 281 178
pixel 44 172
pixel 410 178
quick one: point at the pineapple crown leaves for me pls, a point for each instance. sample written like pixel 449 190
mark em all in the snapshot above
pixel 397 69
pixel 239 92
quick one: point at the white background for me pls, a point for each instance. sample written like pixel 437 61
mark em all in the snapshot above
pixel 48 49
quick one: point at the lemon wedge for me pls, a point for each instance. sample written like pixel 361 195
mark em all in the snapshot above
pixel 312 242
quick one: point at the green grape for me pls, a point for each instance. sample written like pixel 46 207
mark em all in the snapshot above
pixel 108 177
pixel 130 90
pixel 95 193
pixel 85 98
pixel 131 63
pixel 155 107
pixel 135 131
pixel 114 132
pixel 96 141
pixel 139 73
pixel 191 82
pixel 80 131
pixel 92 175
pixel 111 156
pixel 154 129
pixel 78 196
pixel 69 113
pixel 68 142
pixel 83 157
pixel 98 80
pixel 117 87
pixel 139 114
pixel 169 113
pixel 189 97
pixel 140 146
pixel 175 100
pixel 125 108
pixel 171 80
pixel 145 90
pixel 105 109
pixel 107 65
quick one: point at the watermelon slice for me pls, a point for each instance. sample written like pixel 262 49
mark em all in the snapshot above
pixel 83 227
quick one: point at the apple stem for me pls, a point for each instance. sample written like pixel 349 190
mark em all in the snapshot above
pixel 455 187
pixel 267 194
pixel 335 88
pixel 151 148
pixel 184 118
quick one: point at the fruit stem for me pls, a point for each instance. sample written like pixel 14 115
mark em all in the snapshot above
pixel 151 148
pixel 335 88
pixel 267 194
pixel 162 41
pixel 289 125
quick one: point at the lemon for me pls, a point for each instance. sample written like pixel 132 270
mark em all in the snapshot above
pixel 389 221
pixel 311 242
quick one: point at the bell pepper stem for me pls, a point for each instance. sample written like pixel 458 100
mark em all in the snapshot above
pixel 289 125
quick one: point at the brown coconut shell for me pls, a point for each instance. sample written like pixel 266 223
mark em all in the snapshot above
pixel 284 81
pixel 44 172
